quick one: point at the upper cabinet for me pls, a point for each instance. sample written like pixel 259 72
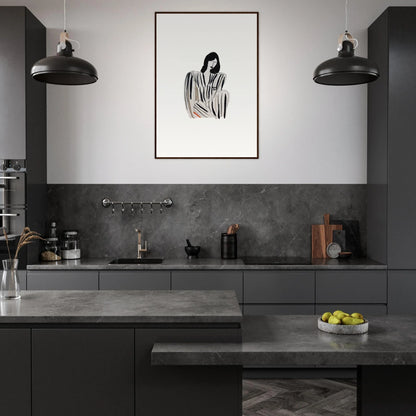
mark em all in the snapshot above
pixel 391 139
pixel 22 100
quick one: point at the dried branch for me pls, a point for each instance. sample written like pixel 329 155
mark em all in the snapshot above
pixel 26 238
pixel 7 243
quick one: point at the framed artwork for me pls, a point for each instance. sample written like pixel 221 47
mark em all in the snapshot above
pixel 206 85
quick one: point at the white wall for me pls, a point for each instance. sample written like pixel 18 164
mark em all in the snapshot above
pixel 104 133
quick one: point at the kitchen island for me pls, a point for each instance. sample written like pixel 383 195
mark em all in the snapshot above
pixel 180 353
pixel 89 353
pixel 385 357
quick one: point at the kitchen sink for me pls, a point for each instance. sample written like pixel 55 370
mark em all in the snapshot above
pixel 148 260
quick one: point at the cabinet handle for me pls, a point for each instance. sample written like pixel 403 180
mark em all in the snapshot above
pixel 9 215
pixel 8 178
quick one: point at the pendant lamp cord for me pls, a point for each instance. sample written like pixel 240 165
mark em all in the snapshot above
pixel 64 35
pixel 346 35
pixel 64 15
pixel 346 15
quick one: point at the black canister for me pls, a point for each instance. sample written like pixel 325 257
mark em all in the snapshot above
pixel 228 246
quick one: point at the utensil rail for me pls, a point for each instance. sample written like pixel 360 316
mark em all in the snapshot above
pixel 133 206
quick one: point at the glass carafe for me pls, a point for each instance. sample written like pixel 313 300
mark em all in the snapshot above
pixel 10 287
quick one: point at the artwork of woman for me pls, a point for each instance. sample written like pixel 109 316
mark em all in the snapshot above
pixel 204 96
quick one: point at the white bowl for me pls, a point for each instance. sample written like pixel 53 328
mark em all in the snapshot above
pixel 343 329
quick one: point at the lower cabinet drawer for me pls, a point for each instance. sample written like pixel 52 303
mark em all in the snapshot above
pixel 65 280
pixel 358 286
pixel 140 280
pixel 207 280
pixel 365 309
pixel 280 309
pixel 279 287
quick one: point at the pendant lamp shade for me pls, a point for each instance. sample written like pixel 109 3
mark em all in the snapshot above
pixel 64 69
pixel 346 68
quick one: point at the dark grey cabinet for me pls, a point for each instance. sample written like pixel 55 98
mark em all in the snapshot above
pixel 13 96
pixel 209 280
pixel 15 385
pixel 279 292
pixel 186 390
pixel 62 280
pixel 23 118
pixel 279 287
pixel 391 140
pixel 22 99
pixel 260 292
pixel 351 286
pixel 135 280
pixel 377 140
pixel 402 291
pixel 82 372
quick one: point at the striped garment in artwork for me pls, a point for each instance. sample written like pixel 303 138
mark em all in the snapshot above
pixel 206 98
pixel 204 93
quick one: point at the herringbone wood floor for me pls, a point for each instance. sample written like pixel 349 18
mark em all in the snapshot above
pixel 294 397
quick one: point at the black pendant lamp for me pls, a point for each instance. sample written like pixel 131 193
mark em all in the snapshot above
pixel 346 68
pixel 64 68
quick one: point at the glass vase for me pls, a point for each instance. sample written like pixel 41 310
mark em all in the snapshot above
pixel 10 287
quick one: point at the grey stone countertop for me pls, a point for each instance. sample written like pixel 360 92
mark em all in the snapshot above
pixel 131 307
pixel 295 340
pixel 210 264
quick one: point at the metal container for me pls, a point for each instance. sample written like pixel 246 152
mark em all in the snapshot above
pixel 228 246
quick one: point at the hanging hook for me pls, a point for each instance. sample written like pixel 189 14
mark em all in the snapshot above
pixel 346 36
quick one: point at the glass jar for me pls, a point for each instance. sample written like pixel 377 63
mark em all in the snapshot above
pixel 70 249
pixel 51 250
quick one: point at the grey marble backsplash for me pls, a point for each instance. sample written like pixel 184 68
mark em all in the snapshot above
pixel 275 220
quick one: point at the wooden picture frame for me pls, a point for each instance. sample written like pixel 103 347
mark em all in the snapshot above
pixel 206 85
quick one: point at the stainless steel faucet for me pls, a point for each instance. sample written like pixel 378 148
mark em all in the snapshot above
pixel 140 250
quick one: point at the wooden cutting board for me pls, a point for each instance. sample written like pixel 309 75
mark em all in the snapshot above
pixel 322 236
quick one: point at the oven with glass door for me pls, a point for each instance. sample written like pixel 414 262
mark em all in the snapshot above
pixel 12 202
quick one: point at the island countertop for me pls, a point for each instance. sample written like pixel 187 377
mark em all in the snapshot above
pixel 122 307
pixel 295 341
